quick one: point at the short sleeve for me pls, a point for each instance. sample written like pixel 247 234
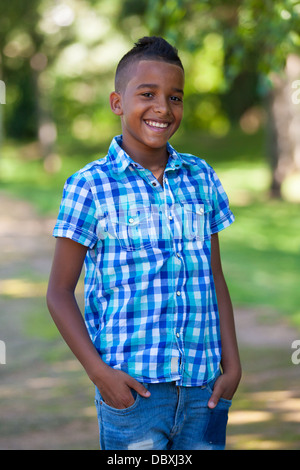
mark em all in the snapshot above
pixel 221 215
pixel 77 214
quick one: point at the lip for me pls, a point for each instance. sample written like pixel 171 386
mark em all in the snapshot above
pixel 157 125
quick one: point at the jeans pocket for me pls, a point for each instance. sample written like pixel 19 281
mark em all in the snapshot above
pixel 215 435
pixel 210 387
pixel 105 407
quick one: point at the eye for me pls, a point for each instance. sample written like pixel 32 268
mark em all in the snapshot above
pixel 147 94
pixel 176 99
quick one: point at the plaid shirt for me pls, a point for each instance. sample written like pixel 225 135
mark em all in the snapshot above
pixel 150 301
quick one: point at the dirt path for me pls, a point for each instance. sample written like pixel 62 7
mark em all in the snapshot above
pixel 46 400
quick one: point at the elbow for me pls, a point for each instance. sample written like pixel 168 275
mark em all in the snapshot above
pixel 58 299
pixel 50 298
pixel 54 297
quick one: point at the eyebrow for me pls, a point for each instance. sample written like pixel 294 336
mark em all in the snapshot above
pixel 154 85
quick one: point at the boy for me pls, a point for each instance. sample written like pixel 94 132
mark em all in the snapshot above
pixel 145 220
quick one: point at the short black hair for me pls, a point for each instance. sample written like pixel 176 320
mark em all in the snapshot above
pixel 146 48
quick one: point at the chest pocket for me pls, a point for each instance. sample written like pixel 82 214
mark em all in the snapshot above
pixel 195 220
pixel 132 226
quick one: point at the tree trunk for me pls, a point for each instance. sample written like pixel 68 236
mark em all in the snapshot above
pixel 46 128
pixel 2 103
pixel 1 124
pixel 284 126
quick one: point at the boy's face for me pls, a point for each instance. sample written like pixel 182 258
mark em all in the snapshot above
pixel 150 106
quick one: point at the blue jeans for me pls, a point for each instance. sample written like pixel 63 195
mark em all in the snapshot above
pixel 172 418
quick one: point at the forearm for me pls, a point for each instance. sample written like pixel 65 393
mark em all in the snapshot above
pixel 230 360
pixel 66 314
pixel 230 354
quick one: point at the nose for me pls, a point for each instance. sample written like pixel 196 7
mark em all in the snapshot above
pixel 162 106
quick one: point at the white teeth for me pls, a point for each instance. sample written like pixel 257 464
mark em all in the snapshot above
pixel 157 124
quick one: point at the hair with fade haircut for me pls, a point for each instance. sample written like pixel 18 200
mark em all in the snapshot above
pixel 147 48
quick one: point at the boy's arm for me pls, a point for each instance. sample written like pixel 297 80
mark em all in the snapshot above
pixel 114 385
pixel 227 383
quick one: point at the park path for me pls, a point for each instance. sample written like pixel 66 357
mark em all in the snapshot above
pixel 46 400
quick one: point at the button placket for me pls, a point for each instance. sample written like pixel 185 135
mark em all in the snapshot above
pixel 170 221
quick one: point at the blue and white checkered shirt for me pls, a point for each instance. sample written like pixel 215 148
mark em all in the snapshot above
pixel 150 301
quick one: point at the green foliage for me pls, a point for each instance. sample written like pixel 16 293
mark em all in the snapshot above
pixel 246 26
pixel 58 60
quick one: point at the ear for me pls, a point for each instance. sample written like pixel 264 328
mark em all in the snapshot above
pixel 115 100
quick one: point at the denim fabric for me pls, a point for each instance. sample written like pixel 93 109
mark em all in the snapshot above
pixel 172 418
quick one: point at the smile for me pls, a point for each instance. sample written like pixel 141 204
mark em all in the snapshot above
pixel 161 125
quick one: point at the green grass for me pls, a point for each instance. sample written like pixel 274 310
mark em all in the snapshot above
pixel 260 251
pixel 261 257
pixel 22 174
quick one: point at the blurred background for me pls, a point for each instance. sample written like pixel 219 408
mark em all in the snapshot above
pixel 242 114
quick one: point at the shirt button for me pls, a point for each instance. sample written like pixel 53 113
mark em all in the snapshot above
pixel 178 255
pixel 178 293
pixel 170 217
pixel 177 334
pixel 153 184
pixel 201 211
pixel 131 220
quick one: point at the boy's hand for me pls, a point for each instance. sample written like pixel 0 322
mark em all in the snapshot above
pixel 225 387
pixel 115 388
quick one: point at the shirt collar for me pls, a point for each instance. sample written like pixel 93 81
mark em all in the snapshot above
pixel 120 160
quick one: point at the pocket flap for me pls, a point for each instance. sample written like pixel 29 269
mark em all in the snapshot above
pixel 130 216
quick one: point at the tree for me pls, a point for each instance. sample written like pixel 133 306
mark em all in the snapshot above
pixel 261 45
pixel 237 53
pixel 56 61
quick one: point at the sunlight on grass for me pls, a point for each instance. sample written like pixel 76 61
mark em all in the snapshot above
pixel 244 182
pixel 20 288
pixel 251 416
pixel 254 423
pixel 291 188
pixel 254 442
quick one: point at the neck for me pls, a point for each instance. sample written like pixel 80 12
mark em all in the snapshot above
pixel 152 159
